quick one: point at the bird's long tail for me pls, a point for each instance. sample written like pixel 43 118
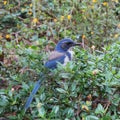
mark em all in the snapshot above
pixel 35 89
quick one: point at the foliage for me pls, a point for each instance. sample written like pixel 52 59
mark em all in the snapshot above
pixel 88 87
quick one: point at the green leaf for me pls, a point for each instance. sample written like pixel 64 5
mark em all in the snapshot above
pixel 65 75
pixel 108 75
pixel 106 117
pixel 12 117
pixel 48 33
pixel 70 112
pixel 99 109
pixel 41 111
pixel 73 86
pixel 3 100
pixel 60 90
pixel 34 37
pixel 1 49
pixel 90 117
pixel 25 86
pixel 55 109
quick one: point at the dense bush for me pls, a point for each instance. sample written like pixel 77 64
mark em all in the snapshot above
pixel 88 87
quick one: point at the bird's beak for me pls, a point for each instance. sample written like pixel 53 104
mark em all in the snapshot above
pixel 78 44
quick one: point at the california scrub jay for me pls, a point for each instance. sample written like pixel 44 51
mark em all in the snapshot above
pixel 62 54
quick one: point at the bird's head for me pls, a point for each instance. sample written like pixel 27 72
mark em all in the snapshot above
pixel 65 44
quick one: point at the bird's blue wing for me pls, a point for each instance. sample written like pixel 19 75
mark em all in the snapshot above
pixel 52 64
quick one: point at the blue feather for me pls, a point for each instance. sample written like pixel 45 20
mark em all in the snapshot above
pixel 52 64
pixel 35 89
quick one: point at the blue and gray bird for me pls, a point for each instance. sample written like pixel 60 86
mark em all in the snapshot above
pixel 62 54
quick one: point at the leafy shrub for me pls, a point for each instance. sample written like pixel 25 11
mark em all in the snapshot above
pixel 88 87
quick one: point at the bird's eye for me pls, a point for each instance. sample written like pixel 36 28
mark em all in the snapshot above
pixel 69 43
pixel 66 44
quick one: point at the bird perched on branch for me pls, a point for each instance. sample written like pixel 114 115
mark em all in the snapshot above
pixel 62 54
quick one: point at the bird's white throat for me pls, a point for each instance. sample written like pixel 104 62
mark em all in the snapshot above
pixel 66 60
